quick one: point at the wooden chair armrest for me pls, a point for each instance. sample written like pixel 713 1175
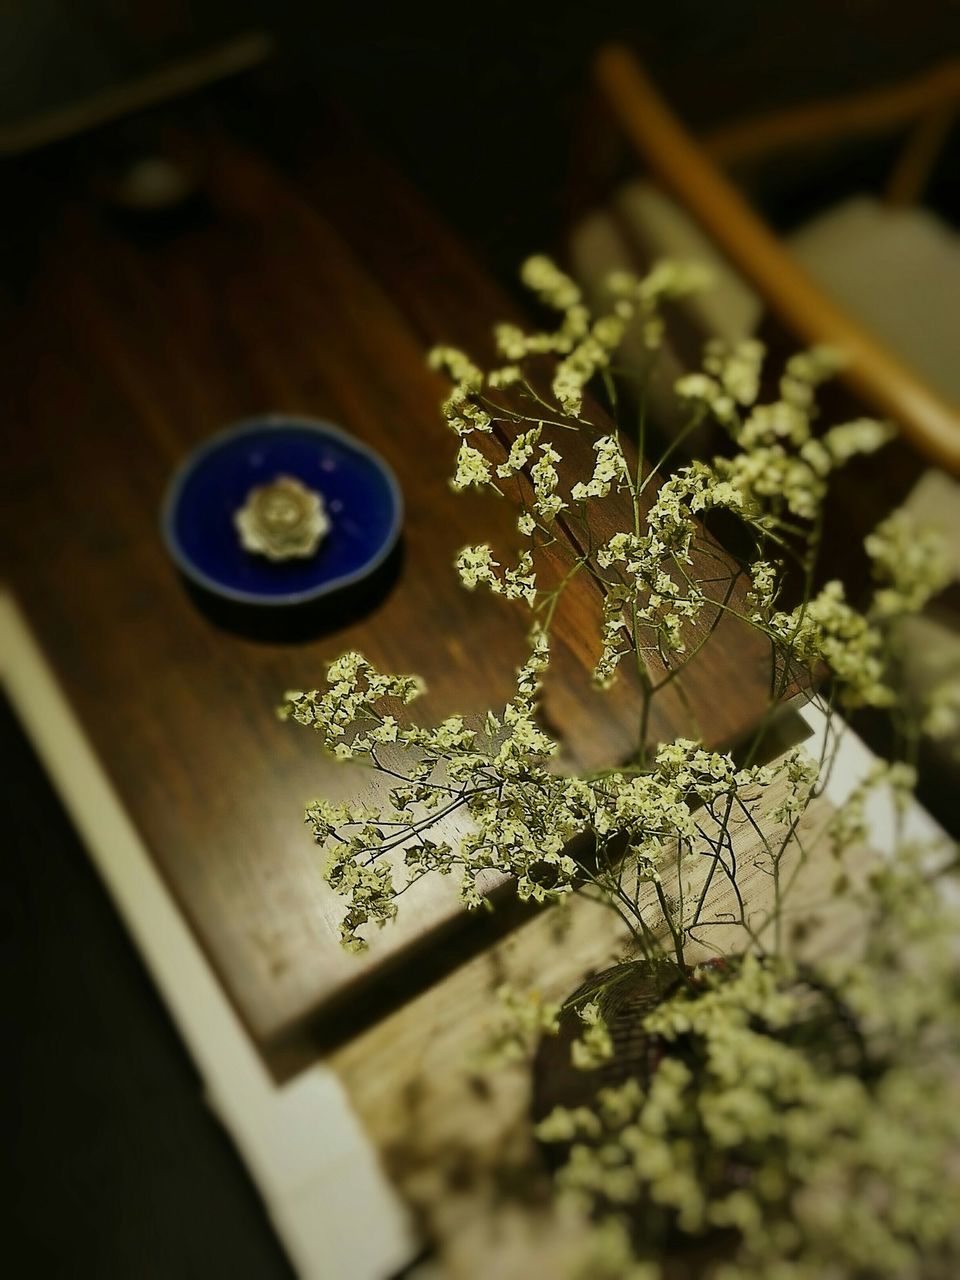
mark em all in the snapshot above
pixel 889 386
pixel 932 93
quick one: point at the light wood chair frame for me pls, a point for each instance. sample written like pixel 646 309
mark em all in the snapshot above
pixel 690 170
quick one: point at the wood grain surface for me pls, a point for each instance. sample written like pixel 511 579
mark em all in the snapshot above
pixel 299 288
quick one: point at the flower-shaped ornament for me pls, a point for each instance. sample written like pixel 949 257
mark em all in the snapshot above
pixel 282 520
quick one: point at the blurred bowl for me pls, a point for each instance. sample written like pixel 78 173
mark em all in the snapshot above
pixel 360 493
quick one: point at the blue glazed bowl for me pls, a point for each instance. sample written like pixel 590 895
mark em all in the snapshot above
pixel 361 494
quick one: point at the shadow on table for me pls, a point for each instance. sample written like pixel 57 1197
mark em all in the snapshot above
pixel 297 624
pixel 401 978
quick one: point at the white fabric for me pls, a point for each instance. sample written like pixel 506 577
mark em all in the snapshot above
pixel 898 270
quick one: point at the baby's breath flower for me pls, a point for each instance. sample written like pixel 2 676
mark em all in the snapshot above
pixel 909 562
pixel 511 341
pixel 865 435
pixel 460 367
pixel 590 355
pixel 548 506
pixel 801 772
pixel 563 1124
pixel 355 690
pixel 614 637
pixel 639 298
pixel 472 469
pixel 610 468
pixel 519 583
pixel 652 332
pixel 941 717
pixel 476 565
pixel 521 451
pixel 737 367
pixel 818 1142
pixel 674 278
pixel 829 629
pixel 545 278
pixel 779 421
pixel 525 1016
pixel 508 376
pixel 547 502
pixel 848 826
pixel 594 1046
pixel 815 454
pixel 610 1255
pixel 769 476
pixel 557 290
pixel 700 388
pixel 622 283
pixel 765 581
pixel 461 409
pixel 804 373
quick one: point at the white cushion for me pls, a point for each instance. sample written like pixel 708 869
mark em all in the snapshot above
pixel 898 270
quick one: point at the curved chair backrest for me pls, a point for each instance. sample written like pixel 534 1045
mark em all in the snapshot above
pixel 686 168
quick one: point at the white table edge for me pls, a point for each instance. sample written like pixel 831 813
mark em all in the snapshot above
pixel 319 1176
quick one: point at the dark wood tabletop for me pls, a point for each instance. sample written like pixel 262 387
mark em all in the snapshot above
pixel 310 282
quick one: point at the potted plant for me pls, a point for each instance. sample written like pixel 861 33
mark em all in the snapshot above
pixel 793 1114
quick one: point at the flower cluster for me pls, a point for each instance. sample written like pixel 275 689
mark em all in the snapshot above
pixel 638 298
pixel 476 565
pixel 594 1045
pixel 806 1115
pixel 610 469
pixel 909 563
pixel 462 408
pixel 513 813
pixel 520 816
pixel 778 472
pixel 825 1146
pixel 524 1017
pixel 941 712
pixel 910 567
pixel 828 628
pixel 782 464
pixel 731 377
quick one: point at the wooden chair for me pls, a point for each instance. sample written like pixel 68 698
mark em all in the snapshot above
pixel 809 283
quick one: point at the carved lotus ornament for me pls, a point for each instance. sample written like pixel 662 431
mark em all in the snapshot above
pixel 282 520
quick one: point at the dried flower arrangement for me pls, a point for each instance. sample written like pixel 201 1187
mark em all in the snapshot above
pixel 800 1116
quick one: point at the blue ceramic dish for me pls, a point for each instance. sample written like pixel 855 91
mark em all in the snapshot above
pixel 360 491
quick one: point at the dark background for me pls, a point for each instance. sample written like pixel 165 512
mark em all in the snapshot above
pixel 113 1164
pixel 479 103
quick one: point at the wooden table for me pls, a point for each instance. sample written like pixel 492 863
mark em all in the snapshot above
pixel 307 287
